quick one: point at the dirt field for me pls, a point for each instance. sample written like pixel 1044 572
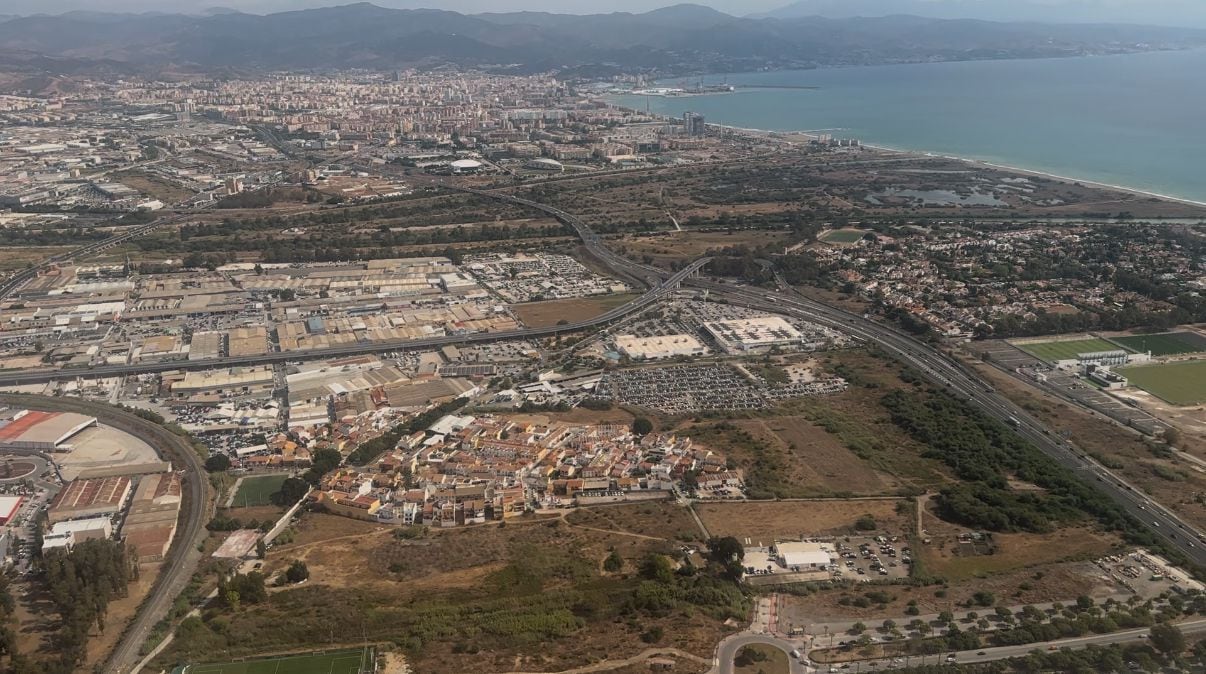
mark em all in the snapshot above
pixel 544 314
pixel 767 520
pixel 13 258
pixel 823 461
pixel 1062 581
pixel 658 519
pixel 668 247
pixel 153 186
pixel 1010 551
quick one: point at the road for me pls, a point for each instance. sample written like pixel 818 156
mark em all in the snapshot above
pixel 1189 628
pixel 181 559
pixel 729 648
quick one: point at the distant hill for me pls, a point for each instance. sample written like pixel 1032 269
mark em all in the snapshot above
pixel 1190 13
pixel 682 38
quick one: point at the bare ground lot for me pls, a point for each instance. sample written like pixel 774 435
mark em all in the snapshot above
pixel 659 519
pixel 544 314
pixel 823 461
pixel 1034 584
pixel 769 520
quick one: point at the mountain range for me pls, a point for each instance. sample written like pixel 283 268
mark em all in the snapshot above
pixel 682 39
pixel 1153 12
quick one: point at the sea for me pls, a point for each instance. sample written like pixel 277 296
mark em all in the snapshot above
pixel 1132 120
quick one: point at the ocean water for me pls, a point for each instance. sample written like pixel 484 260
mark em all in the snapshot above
pixel 1135 120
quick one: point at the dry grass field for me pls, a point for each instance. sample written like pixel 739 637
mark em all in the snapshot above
pixel 769 520
pixel 525 596
pixel 544 314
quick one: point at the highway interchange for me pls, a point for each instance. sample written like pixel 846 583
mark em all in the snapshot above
pixel 934 365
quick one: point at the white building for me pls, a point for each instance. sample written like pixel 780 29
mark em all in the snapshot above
pixel 802 555
pixel 746 335
pixel 653 348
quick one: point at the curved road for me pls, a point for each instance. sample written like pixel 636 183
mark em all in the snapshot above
pixel 181 559
pixel 729 647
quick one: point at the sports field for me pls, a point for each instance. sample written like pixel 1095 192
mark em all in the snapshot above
pixel 352 661
pixel 1177 383
pixel 257 491
pixel 1053 351
pixel 1164 343
pixel 842 236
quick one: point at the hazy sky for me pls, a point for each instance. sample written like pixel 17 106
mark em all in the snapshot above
pixel 1167 12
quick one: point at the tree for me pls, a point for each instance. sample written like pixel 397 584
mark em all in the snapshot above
pixel 653 634
pixel 726 549
pixel 217 463
pixel 261 549
pixel 1167 638
pixel 865 523
pixel 1172 436
pixel 642 426
pixel 613 563
pixel 291 491
pixel 657 567
pixel 297 572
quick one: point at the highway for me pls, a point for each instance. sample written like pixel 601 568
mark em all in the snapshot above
pixel 182 557
pixel 943 371
pixel 20 278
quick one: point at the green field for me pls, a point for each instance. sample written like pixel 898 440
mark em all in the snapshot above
pixel 336 662
pixel 1177 383
pixel 842 236
pixel 1164 344
pixel 1053 351
pixel 257 491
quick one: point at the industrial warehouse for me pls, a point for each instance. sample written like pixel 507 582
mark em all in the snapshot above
pixel 40 431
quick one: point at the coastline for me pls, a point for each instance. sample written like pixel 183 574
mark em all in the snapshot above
pixel 979 162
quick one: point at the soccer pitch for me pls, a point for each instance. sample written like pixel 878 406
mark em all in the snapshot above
pixel 1164 344
pixel 1053 351
pixel 842 236
pixel 257 491
pixel 1177 383
pixel 335 662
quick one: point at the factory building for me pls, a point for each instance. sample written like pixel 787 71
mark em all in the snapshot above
pixel 41 431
